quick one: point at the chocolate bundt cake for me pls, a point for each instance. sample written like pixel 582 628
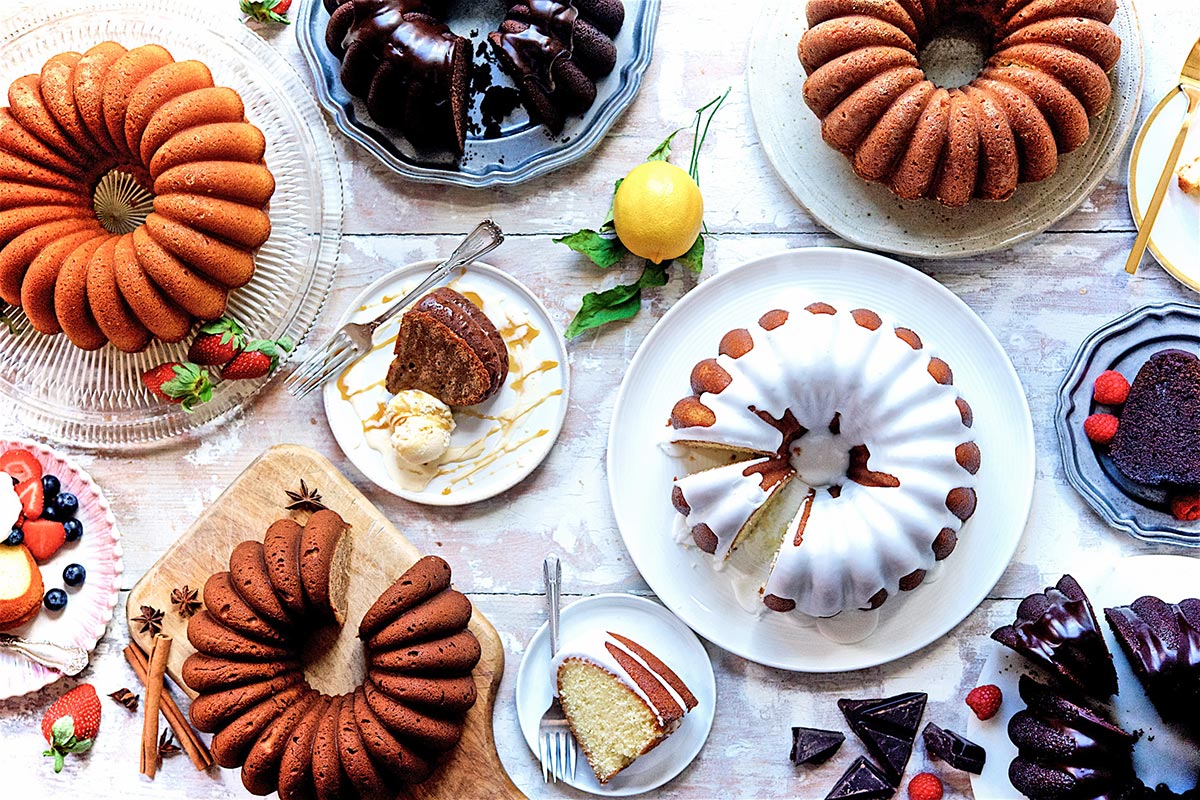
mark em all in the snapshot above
pixel 1067 750
pixel 82 137
pixel 1058 630
pixel 1045 77
pixel 1162 642
pixel 448 348
pixel 286 736
pixel 1158 440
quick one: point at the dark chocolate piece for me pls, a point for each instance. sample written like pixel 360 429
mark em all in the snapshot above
pixel 862 781
pixel 957 751
pixel 814 746
pixel 888 727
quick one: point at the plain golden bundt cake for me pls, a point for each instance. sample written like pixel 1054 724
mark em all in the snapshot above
pixel 74 254
pixel 371 742
pixel 1045 77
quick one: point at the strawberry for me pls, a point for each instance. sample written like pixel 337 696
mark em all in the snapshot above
pixel 186 384
pixel 33 497
pixel 1111 388
pixel 43 537
pixel 21 465
pixel 217 343
pixel 71 723
pixel 985 700
pixel 259 359
pixel 267 10
pixel 1101 428
pixel 925 786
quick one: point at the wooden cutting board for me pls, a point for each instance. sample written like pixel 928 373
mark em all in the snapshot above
pixel 334 660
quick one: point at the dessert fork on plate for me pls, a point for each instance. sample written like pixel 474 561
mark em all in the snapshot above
pixel 353 340
pixel 557 750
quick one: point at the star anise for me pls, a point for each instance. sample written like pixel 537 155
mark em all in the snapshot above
pixel 125 698
pixel 186 600
pixel 150 620
pixel 304 500
pixel 167 746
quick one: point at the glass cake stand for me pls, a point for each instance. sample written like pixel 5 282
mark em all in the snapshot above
pixel 96 399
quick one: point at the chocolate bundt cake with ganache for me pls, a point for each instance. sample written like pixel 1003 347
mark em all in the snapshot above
pixel 371 742
pixel 1158 439
pixel 133 196
pixel 413 72
pixel 1057 629
pixel 1046 76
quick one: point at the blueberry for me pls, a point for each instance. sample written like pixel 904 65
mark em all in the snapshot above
pixel 73 528
pixel 74 575
pixel 51 513
pixel 15 538
pixel 50 486
pixel 55 600
pixel 66 504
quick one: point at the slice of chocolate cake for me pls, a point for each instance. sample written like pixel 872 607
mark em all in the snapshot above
pixel 1158 438
pixel 1058 630
pixel 888 728
pixel 862 781
pixel 1162 642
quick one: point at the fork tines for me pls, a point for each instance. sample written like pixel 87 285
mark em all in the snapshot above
pixel 330 359
pixel 556 752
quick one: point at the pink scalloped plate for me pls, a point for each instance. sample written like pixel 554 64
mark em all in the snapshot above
pixel 90 606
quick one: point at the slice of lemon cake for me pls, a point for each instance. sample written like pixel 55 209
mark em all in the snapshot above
pixel 620 700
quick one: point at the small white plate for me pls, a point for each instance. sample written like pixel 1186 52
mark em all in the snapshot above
pixel 538 384
pixel 1176 237
pixel 1162 754
pixel 640 474
pixel 648 623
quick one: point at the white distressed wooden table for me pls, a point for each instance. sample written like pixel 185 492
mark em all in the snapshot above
pixel 1040 299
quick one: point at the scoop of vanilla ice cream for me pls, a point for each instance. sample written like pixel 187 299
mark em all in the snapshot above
pixel 10 505
pixel 421 426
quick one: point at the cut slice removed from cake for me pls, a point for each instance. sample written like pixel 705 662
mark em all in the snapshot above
pixel 620 700
pixel 720 505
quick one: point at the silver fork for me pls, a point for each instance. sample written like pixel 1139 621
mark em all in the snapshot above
pixel 354 339
pixel 556 745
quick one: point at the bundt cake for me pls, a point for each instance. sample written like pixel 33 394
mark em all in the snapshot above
pixel 861 414
pixel 1058 630
pixel 448 348
pixel 91 145
pixel 1045 77
pixel 1067 750
pixel 1158 439
pixel 253 695
pixel 1162 643
pixel 620 699
pixel 413 73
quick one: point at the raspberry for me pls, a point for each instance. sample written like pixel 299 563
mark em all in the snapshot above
pixel 985 700
pixel 925 786
pixel 1186 507
pixel 1111 388
pixel 1100 428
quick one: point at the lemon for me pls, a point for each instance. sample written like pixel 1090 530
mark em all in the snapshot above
pixel 658 211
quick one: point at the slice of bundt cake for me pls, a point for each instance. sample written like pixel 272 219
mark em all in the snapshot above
pixel 20 585
pixel 1058 630
pixel 620 700
pixel 1158 440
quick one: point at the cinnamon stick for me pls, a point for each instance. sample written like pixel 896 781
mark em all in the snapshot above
pixel 160 651
pixel 188 739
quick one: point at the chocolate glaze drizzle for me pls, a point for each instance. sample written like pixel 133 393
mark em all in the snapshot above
pixel 550 24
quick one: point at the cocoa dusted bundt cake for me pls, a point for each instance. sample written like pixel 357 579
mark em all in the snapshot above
pixel 133 195
pixel 1045 77
pixel 413 72
pixel 371 742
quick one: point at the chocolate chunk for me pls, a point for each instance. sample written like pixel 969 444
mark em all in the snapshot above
pixel 888 727
pixel 955 750
pixel 862 781
pixel 814 746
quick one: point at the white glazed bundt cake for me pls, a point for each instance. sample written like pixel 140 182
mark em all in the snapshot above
pixel 866 419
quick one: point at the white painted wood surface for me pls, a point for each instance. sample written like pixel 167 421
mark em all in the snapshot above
pixel 1040 298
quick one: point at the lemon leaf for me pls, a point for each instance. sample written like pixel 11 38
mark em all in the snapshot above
pixel 608 226
pixel 615 304
pixel 663 151
pixel 604 249
pixel 693 259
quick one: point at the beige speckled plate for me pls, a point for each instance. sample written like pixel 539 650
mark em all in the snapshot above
pixel 871 216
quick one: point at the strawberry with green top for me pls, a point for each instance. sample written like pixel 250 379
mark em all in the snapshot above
pixel 217 343
pixel 267 10
pixel 71 723
pixel 257 360
pixel 185 384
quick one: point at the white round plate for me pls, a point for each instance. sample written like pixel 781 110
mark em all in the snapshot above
pixel 538 384
pixel 647 623
pixel 1162 754
pixel 868 214
pixel 640 472
pixel 1176 237
pixel 90 606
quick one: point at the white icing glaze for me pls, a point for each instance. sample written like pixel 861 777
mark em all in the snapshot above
pixel 594 650
pixel 725 499
pixel 816 366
